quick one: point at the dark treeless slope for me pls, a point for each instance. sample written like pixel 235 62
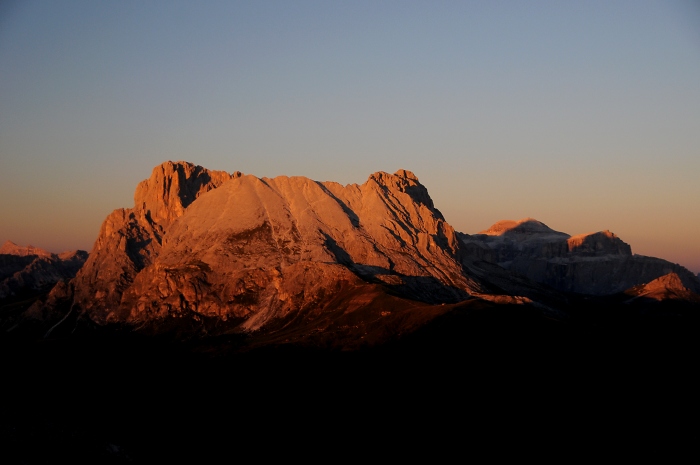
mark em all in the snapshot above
pixel 26 270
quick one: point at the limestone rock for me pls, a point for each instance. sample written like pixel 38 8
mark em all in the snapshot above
pixel 667 287
pixel 10 248
pixel 29 269
pixel 594 263
pixel 172 187
pixel 289 257
pixel 600 243
pixel 253 250
pixel 130 239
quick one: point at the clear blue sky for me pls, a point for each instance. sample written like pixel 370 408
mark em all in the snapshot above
pixel 584 115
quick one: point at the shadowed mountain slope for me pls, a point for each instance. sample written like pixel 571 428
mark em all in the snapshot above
pixel 595 263
pixel 28 269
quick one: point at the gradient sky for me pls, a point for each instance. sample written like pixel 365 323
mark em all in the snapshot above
pixel 584 115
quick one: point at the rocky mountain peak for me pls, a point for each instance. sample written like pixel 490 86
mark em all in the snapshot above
pixel 254 249
pixel 27 269
pixel 524 226
pixel 406 174
pixel 404 181
pixel 668 286
pixel 602 242
pixel 173 186
pixel 669 281
pixel 10 248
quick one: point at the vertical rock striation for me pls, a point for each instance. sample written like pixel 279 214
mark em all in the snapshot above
pixel 255 250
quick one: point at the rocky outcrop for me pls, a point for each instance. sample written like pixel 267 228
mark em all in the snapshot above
pixel 28 269
pixel 258 251
pixel 10 248
pixel 595 263
pixel 287 257
pixel 172 187
pixel 667 287
pixel 130 239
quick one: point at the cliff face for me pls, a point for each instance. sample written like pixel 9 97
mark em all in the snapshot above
pixel 30 268
pixel 667 287
pixel 595 263
pixel 296 255
pixel 130 239
pixel 253 251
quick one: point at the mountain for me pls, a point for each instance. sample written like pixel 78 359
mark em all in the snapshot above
pixel 666 287
pixel 300 260
pixel 223 308
pixel 597 263
pixel 28 269
pixel 10 248
pixel 254 252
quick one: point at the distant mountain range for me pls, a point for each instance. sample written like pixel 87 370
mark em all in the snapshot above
pixel 29 269
pixel 290 260
pixel 291 308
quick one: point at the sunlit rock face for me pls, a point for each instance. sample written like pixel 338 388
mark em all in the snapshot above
pixel 297 255
pixel 26 269
pixel 256 250
pixel 667 287
pixel 596 263
pixel 130 239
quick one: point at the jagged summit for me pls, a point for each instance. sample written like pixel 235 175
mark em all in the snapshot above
pixel 406 182
pixel 242 247
pixel 406 174
pixel 173 186
pixel 290 255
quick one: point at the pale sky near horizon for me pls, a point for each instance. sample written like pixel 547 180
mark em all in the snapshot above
pixel 584 115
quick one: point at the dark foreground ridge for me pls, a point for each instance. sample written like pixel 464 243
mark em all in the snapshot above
pixel 226 315
pixel 111 395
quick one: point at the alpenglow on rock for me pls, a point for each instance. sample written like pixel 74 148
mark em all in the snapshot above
pixel 241 248
pixel 291 255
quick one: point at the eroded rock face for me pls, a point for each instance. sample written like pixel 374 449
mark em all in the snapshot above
pixel 252 251
pixel 130 239
pixel 172 187
pixel 26 269
pixel 667 287
pixel 595 263
pixel 287 253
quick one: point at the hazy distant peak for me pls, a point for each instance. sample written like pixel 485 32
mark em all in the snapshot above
pixel 599 242
pixel 10 248
pixel 523 226
pixel 668 286
pixel 73 255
